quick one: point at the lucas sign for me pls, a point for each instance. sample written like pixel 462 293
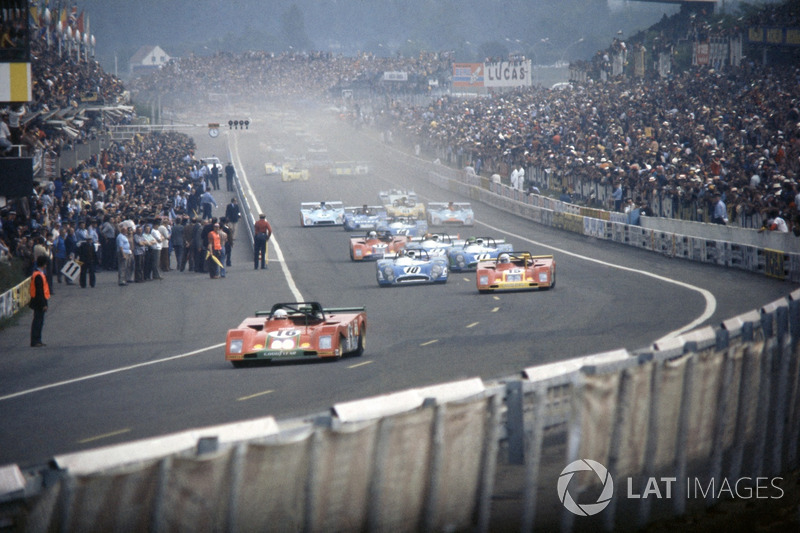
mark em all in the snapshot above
pixel 507 74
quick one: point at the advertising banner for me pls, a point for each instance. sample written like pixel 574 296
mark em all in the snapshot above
pixel 467 74
pixel 508 74
pixel 395 76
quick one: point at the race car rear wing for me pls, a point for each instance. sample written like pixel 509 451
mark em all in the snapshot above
pixel 443 205
pixel 334 310
pixel 312 205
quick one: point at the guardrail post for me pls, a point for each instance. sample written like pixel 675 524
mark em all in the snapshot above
pixel 533 456
pixel 164 468
pixel 681 450
pixel 794 371
pixel 781 376
pixel 723 418
pixel 435 468
pixel 746 394
pixel 574 436
pixel 489 462
pixel 764 394
pixel 515 423
pixel 236 467
pixel 652 444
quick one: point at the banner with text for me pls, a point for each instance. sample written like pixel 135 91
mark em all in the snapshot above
pixel 507 74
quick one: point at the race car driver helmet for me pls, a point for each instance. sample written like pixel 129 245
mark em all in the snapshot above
pixel 280 314
pixel 410 253
pixel 372 234
pixel 504 259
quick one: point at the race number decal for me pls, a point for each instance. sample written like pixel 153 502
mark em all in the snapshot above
pixel 411 270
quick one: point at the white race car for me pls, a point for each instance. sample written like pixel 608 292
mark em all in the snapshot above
pixel 321 214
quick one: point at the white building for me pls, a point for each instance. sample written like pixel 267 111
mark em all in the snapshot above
pixel 147 59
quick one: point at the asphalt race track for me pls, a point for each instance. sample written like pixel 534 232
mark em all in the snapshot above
pixel 126 363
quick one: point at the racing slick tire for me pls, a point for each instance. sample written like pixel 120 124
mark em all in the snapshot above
pixel 362 342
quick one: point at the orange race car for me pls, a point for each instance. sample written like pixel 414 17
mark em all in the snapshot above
pixel 302 330
pixel 516 271
pixel 376 244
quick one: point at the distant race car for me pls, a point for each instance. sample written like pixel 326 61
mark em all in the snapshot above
pixel 349 168
pixel 404 203
pixel 303 330
pixel 321 214
pixel 410 267
pixel 436 244
pixel 293 173
pixel 376 245
pixel 450 213
pixel 273 169
pixel 410 226
pixel 467 254
pixel 364 217
pixel 516 271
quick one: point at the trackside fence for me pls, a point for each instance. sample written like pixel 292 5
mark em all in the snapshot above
pixel 716 407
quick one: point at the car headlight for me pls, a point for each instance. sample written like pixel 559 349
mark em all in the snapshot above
pixel 542 277
pixel 308 222
pixel 483 280
pixel 460 260
pixel 388 273
pixel 325 342
pixel 436 271
pixel 358 252
pixel 235 346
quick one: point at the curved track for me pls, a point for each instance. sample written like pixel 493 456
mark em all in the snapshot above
pixel 124 363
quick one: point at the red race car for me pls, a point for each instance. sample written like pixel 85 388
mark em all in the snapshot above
pixel 376 244
pixel 516 271
pixel 302 330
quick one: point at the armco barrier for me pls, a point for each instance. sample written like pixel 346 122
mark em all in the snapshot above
pixel 714 407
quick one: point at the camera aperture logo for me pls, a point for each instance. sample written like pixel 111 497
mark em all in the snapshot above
pixel 586 509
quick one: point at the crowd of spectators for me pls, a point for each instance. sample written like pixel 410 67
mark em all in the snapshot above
pixel 701 132
pixel 150 184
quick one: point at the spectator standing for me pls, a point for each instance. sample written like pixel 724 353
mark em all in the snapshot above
pixel 40 295
pixel 720 211
pixel 139 251
pixel 214 252
pixel 616 196
pixel 108 237
pixel 232 215
pixel 230 172
pixel 263 231
pixel 207 201
pixel 60 254
pixel 124 257
pixel 177 242
pixel 215 177
pixel 165 232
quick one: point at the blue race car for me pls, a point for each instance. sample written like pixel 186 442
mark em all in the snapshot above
pixel 321 214
pixel 411 267
pixel 465 256
pixel 410 226
pixel 450 213
pixel 364 218
pixel 436 244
